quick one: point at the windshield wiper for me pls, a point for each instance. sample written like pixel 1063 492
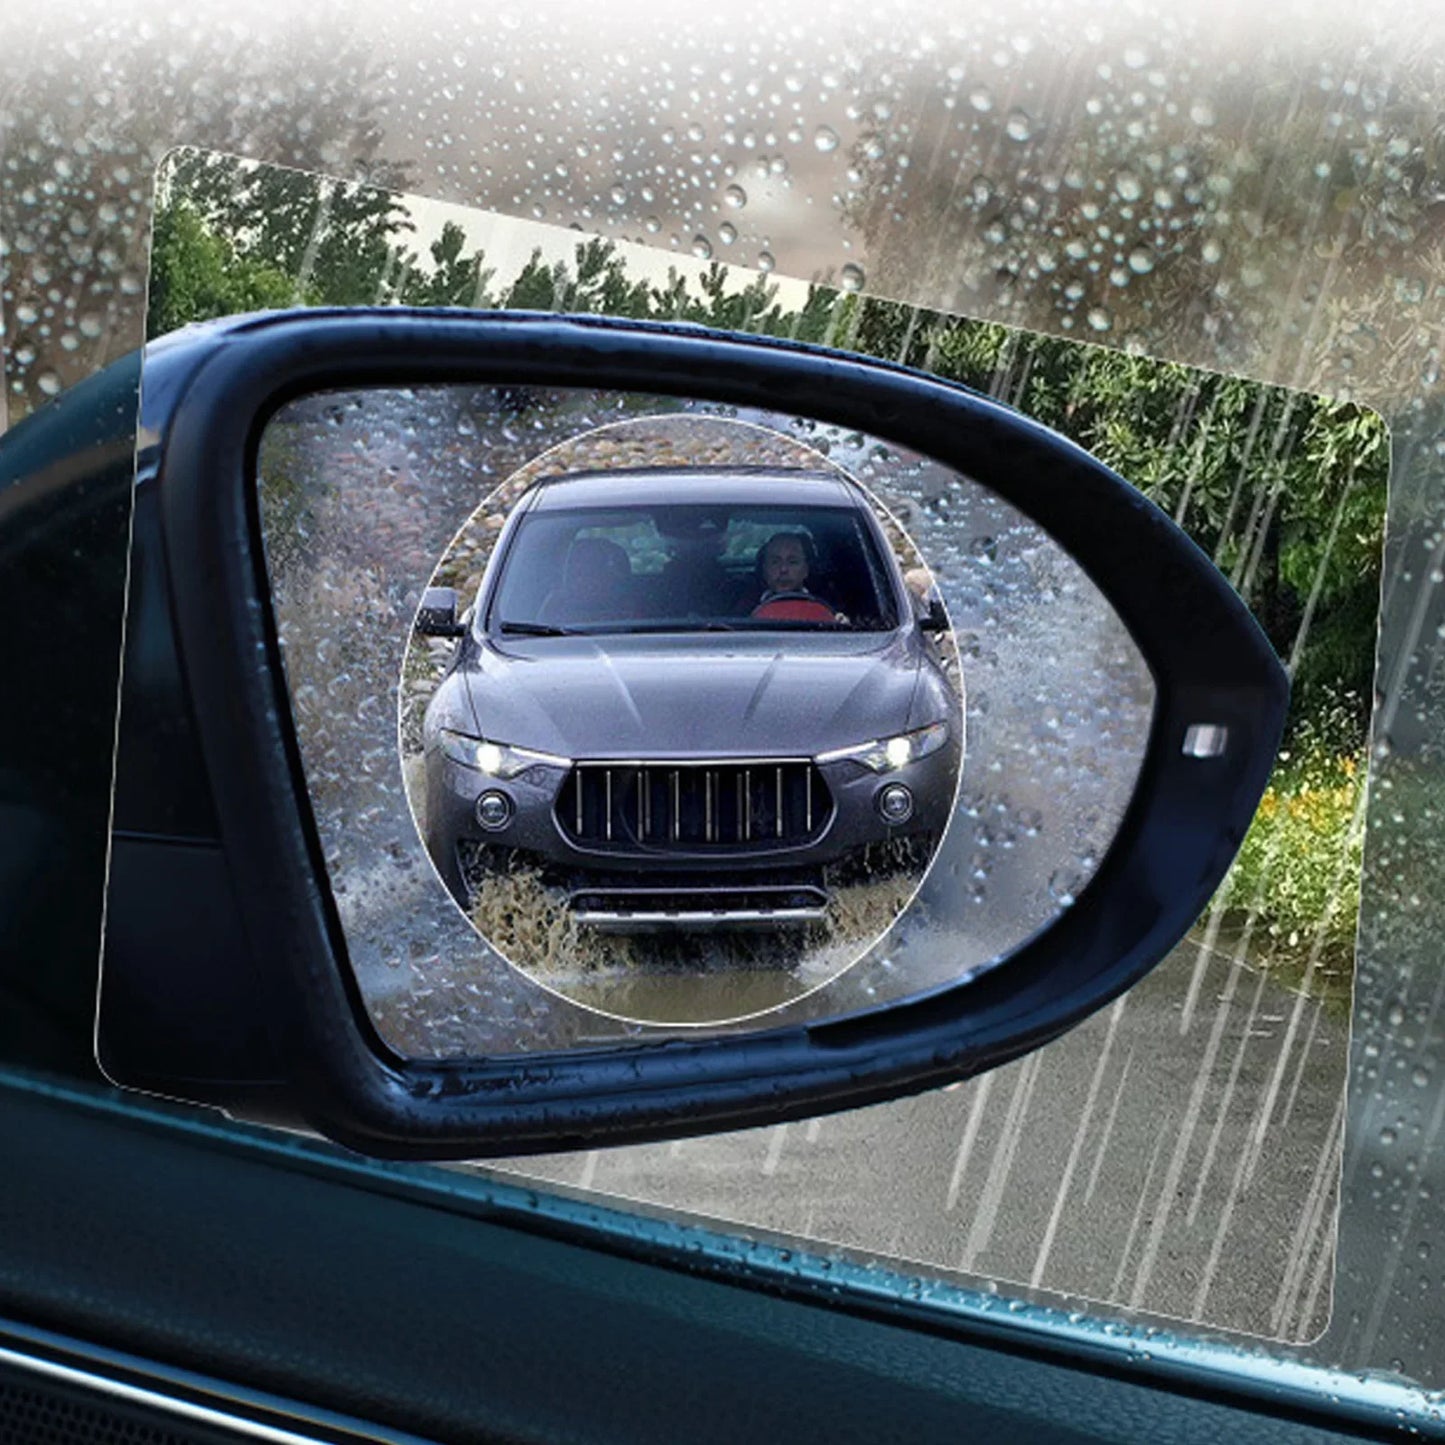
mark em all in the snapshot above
pixel 533 629
pixel 680 624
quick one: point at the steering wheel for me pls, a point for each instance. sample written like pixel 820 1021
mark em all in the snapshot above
pixel 795 607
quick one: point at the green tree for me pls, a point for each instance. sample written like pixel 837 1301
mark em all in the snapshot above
pixel 197 275
pixel 336 240
pixel 535 288
pixel 602 284
pixel 455 279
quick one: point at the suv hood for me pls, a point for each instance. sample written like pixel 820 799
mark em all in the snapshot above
pixel 702 696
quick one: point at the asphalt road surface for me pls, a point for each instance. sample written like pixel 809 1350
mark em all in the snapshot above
pixel 1178 1154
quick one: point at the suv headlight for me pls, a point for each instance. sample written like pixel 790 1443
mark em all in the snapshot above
pixel 497 760
pixel 886 755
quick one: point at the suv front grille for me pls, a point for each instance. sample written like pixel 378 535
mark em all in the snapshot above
pixel 692 805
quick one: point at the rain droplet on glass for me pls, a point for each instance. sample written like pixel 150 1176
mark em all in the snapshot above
pixel 1018 126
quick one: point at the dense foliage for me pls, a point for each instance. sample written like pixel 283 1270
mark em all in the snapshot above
pixel 1293 896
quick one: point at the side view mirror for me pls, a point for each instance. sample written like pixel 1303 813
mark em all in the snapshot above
pixel 437 615
pixel 653 861
pixel 935 620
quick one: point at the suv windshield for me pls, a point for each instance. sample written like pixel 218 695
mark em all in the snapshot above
pixel 693 567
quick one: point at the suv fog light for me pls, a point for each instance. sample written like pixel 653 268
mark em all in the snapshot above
pixel 895 803
pixel 494 810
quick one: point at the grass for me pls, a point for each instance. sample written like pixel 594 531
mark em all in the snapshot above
pixel 1292 898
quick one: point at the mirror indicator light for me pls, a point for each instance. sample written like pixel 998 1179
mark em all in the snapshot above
pixel 1205 740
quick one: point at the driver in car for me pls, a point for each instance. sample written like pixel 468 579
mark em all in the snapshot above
pixel 784 565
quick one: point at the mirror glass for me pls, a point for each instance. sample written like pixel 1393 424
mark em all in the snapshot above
pixel 626 713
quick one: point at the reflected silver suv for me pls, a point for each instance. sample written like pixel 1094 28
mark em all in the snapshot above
pixel 635 710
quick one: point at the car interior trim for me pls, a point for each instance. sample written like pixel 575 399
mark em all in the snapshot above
pixel 19 1351
pixel 1243 1376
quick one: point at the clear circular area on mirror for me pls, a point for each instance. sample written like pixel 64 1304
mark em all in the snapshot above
pixel 697 721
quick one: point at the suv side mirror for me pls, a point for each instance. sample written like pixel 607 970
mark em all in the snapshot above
pixel 935 620
pixel 437 615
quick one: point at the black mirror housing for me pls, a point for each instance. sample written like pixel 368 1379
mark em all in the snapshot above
pixel 935 620
pixel 437 615
pixel 318 1060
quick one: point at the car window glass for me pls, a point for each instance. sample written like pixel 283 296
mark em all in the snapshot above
pixel 639 538
pixel 704 587
pixel 1243 1033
